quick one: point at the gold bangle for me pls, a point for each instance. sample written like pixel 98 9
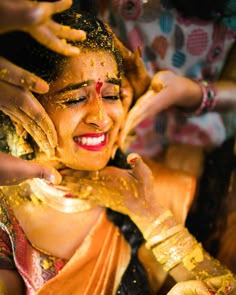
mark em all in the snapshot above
pixel 171 252
pixel 165 234
pixel 160 219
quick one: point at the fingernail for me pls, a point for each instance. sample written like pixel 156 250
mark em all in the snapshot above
pixel 52 178
pixel 133 160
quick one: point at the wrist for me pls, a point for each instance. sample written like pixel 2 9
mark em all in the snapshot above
pixel 149 224
pixel 208 99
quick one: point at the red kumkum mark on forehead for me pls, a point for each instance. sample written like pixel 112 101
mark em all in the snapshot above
pixel 98 86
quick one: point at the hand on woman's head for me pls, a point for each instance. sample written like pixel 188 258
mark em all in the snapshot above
pixel 18 102
pixel 166 90
pixel 35 18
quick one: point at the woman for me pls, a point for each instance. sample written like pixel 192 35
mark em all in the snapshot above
pixel 54 243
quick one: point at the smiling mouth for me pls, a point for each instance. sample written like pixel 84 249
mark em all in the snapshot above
pixel 92 141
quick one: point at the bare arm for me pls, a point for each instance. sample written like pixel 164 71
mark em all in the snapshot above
pixel 170 90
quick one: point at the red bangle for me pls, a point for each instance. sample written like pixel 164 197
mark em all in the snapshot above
pixel 208 97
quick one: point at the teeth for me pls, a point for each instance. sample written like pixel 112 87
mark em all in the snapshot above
pixel 90 140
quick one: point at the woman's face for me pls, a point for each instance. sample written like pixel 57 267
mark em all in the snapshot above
pixel 85 107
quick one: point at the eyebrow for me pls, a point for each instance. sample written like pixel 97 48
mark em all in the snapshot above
pixel 114 81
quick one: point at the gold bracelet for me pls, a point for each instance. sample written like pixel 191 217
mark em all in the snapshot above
pixel 165 234
pixel 171 252
pixel 160 219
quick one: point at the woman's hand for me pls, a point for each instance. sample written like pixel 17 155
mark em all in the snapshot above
pixel 129 191
pixel 224 284
pixel 166 90
pixel 35 18
pixel 191 288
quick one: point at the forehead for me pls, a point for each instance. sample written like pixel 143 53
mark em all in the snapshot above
pixel 89 65
pixel 92 64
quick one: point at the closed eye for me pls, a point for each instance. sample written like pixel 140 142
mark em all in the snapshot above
pixel 111 97
pixel 74 101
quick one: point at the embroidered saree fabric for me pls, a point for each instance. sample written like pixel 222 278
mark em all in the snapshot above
pixel 95 268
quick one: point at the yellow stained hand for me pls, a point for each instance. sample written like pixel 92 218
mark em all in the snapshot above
pixel 35 18
pixel 18 102
pixel 166 90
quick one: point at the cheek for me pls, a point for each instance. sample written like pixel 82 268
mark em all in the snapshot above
pixel 64 121
pixel 118 115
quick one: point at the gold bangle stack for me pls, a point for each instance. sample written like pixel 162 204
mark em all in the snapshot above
pixel 160 230
pixel 170 244
pixel 165 234
pixel 172 251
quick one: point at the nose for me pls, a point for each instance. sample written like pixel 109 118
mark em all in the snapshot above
pixel 97 114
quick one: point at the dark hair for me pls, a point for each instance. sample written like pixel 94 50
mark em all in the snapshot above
pixel 21 49
pixel 203 9
pixel 207 218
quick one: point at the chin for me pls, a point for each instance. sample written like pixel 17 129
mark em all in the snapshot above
pixel 88 166
pixel 92 162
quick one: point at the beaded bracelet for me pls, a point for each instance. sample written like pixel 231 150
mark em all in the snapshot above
pixel 208 97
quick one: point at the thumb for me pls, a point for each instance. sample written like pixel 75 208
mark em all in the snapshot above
pixel 140 170
pixel 15 170
pixel 43 171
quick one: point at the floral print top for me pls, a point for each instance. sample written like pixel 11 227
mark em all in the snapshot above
pixel 187 46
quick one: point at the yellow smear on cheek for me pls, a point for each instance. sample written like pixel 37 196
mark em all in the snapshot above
pixel 92 63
